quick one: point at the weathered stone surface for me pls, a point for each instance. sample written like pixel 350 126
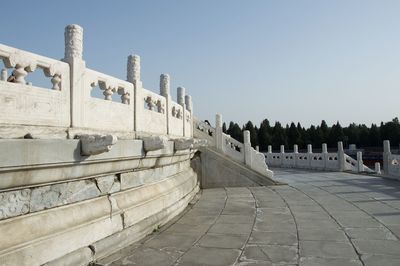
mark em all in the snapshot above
pixel 108 184
pixel 138 178
pixel 183 144
pixel 153 143
pixel 59 194
pixel 197 143
pixel 96 144
pixel 14 203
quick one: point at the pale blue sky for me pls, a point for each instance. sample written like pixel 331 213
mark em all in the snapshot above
pixel 249 60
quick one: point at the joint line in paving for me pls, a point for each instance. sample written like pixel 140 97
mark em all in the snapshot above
pixel 176 262
pixel 295 223
pixel 333 218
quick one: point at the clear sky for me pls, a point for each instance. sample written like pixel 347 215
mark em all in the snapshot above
pixel 248 60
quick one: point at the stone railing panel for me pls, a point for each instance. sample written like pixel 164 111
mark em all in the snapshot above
pixel 394 165
pixel 288 160
pixel 232 148
pixel 273 159
pixel 176 116
pixel 25 104
pixel 350 164
pixel 153 117
pixel 258 163
pixel 203 130
pixel 317 161
pixel 303 160
pixel 331 161
pixel 105 114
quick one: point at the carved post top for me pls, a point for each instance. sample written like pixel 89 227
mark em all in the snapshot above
pixel 133 68
pixel 269 148
pixel 359 156
pixel 295 148
pixel 324 148
pixel 188 102
pixel 309 148
pixel 386 146
pixel 164 85
pixel 340 146
pixel 218 121
pixel 73 36
pixel 282 148
pixel 181 95
pixel 246 137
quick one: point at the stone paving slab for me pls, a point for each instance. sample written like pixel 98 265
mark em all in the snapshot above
pixel 318 219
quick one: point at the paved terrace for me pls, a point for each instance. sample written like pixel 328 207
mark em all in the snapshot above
pixel 319 218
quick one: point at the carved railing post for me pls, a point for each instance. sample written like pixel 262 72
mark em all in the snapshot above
pixel 282 149
pixel 386 155
pixel 295 148
pixel 324 148
pixel 133 76
pixel 165 85
pixel 73 56
pixel 309 148
pixel 341 158
pixel 269 148
pixel 181 96
pixel 218 132
pixel 189 115
pixel 378 168
pixel 247 148
pixel 360 164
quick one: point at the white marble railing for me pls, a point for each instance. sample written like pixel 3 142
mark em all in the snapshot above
pixel 23 103
pixel 203 130
pixel 68 107
pixel 233 148
pixel 325 161
pixel 239 152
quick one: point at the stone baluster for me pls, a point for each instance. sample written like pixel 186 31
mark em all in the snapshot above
pixel 257 148
pixel 386 155
pixel 269 148
pixel 125 96
pixel 19 73
pixel 324 148
pixel 4 74
pixel 295 148
pixel 309 148
pixel 56 81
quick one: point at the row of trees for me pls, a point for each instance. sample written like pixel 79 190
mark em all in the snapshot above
pixel 277 135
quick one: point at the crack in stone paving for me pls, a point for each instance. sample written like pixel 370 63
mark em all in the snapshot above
pixel 351 203
pixel 333 218
pixel 177 260
pixel 295 223
pixel 252 229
